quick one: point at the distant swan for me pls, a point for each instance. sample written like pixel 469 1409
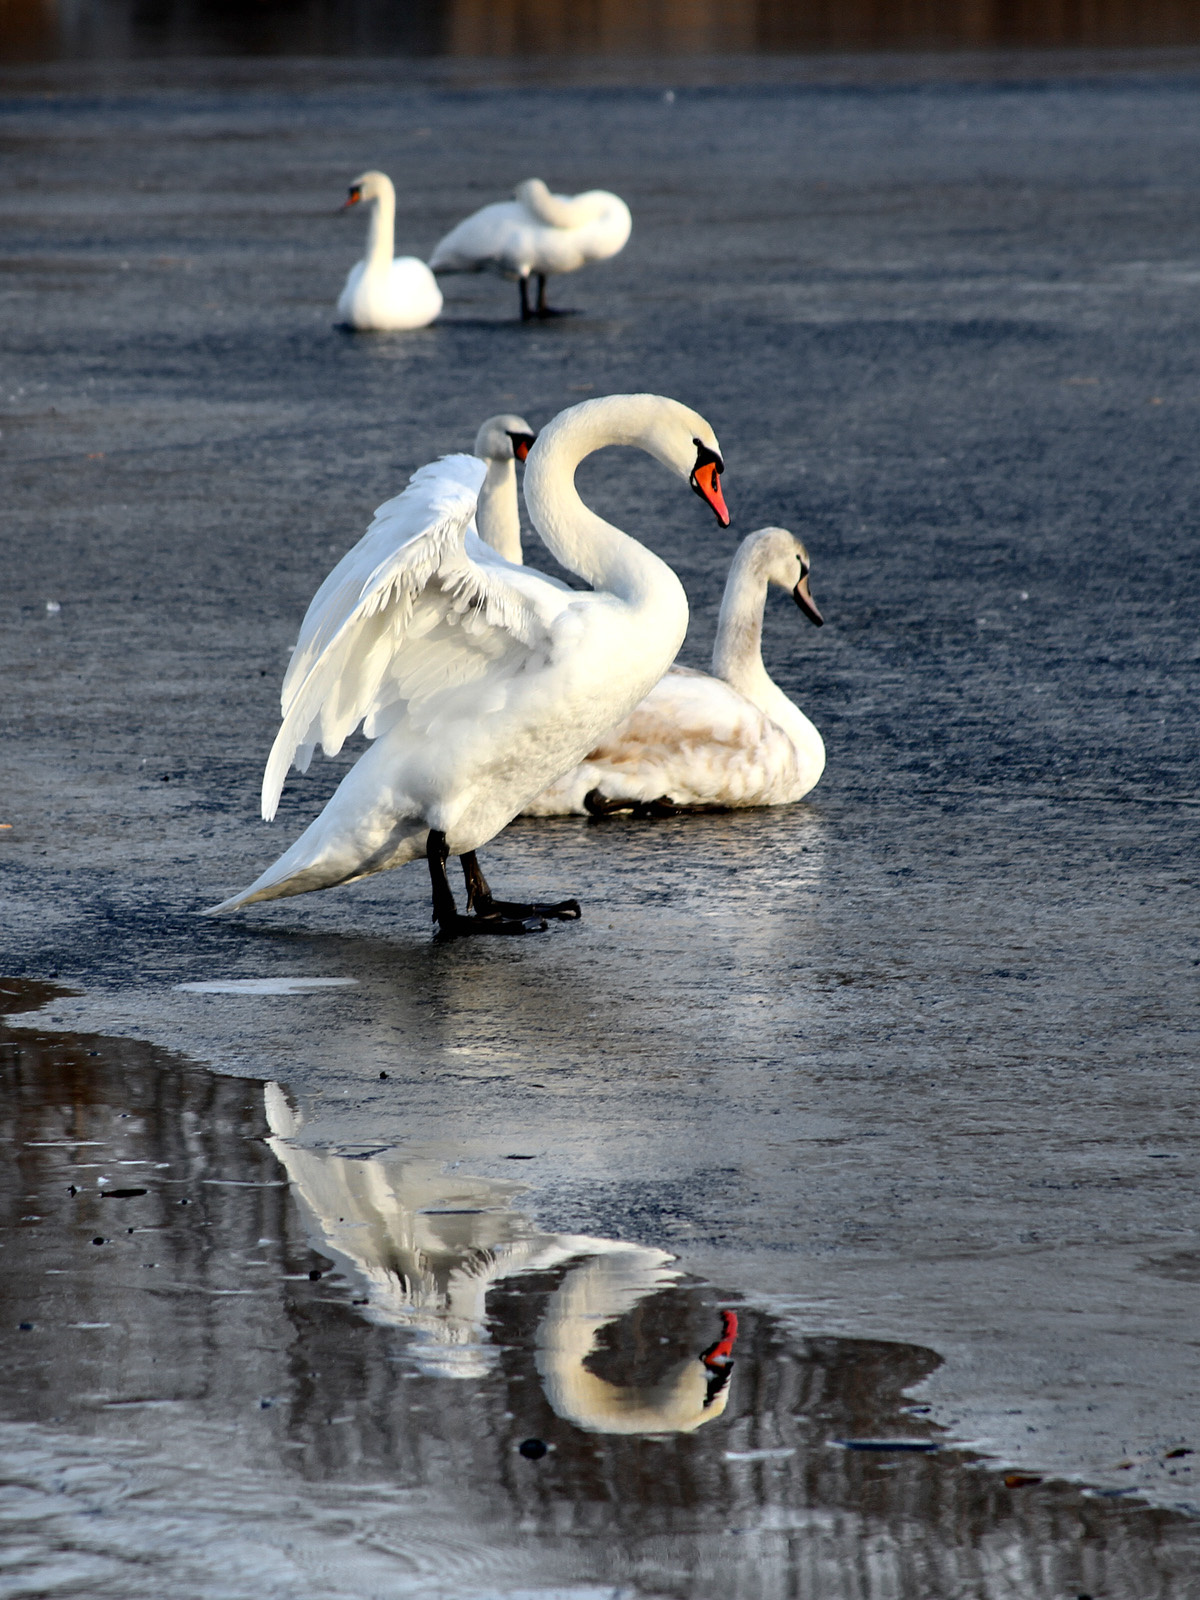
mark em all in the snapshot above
pixel 381 293
pixel 478 681
pixel 536 234
pixel 709 743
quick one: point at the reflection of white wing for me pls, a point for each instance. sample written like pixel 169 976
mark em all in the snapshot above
pixel 427 1245
pixel 418 607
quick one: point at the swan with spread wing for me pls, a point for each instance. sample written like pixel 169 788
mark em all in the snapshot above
pixel 477 681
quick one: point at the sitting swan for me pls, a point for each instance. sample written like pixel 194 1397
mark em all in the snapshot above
pixel 536 233
pixel 709 743
pixel 479 682
pixel 383 293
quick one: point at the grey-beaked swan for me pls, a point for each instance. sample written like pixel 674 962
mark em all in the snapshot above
pixel 536 234
pixel 381 293
pixel 478 681
pixel 701 742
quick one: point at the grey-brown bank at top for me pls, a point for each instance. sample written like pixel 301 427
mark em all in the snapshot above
pixel 237 1363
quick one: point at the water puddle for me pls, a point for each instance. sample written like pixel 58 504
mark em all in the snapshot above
pixel 236 1364
pixel 265 985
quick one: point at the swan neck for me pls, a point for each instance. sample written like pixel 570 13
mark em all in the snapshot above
pixel 498 516
pixel 381 230
pixel 583 542
pixel 737 652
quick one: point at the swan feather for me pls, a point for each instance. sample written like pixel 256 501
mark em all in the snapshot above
pixel 421 578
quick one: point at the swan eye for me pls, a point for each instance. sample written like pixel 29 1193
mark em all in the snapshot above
pixel 707 458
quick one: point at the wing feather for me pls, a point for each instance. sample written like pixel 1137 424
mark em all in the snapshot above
pixel 413 611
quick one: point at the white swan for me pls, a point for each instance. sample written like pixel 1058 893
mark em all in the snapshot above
pixel 592 1295
pixel 536 233
pixel 709 743
pixel 502 441
pixel 478 681
pixel 383 293
pixel 427 1245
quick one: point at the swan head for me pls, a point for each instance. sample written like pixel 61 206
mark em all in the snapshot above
pixel 686 444
pixel 368 186
pixel 531 193
pixel 506 437
pixel 781 558
pixel 672 433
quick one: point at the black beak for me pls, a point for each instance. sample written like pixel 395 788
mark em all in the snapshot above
pixel 806 603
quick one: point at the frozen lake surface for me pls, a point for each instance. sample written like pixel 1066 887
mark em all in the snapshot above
pixel 903 1077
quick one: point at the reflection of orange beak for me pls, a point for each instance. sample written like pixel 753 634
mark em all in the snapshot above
pixel 806 602
pixel 721 1353
pixel 706 481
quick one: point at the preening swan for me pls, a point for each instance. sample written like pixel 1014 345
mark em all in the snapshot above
pixel 708 743
pixel 502 441
pixel 478 681
pixel 427 1245
pixel 536 233
pixel 381 293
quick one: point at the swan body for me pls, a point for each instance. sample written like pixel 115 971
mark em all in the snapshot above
pixel 383 293
pixel 709 742
pixel 478 681
pixel 427 1246
pixel 536 233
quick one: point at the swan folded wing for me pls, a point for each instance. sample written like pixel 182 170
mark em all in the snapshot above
pixel 405 616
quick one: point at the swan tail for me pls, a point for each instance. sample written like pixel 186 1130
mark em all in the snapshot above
pixel 317 862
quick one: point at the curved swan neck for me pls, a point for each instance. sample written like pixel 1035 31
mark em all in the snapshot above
pixel 498 516
pixel 737 652
pixel 381 231
pixel 583 542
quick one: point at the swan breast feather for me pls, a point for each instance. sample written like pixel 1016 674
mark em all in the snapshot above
pixel 405 618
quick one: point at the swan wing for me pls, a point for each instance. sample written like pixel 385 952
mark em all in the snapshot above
pixel 419 607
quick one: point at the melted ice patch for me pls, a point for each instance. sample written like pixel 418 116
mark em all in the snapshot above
pixel 265 985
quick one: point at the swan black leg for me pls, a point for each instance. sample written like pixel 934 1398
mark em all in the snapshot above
pixel 598 804
pixel 451 924
pixel 523 286
pixel 479 898
pixel 541 310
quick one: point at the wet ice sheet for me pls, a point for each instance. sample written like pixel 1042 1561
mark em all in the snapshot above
pixel 262 1367
pixel 264 985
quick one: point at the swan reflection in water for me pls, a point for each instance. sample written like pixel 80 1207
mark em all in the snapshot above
pixel 427 1246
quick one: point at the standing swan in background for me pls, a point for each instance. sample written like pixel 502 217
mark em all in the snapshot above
pixel 502 441
pixel 479 682
pixel 383 293
pixel 710 743
pixel 536 233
